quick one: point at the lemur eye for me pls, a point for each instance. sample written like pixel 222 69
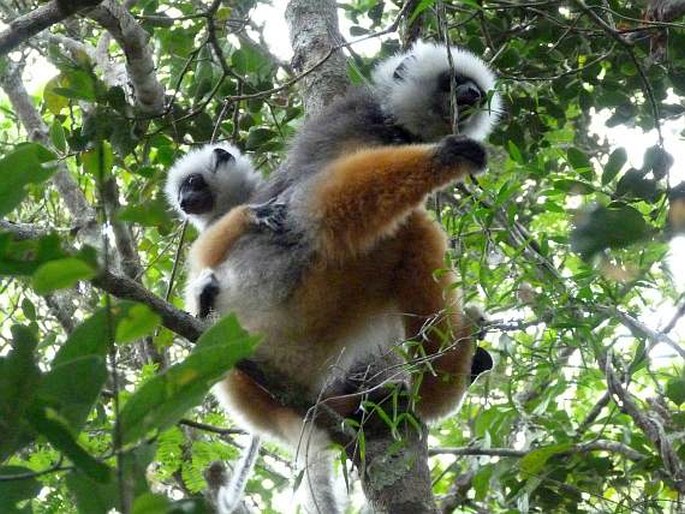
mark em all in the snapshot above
pixel 444 82
pixel 194 180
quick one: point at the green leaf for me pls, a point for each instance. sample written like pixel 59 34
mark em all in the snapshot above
pixel 76 84
pixel 259 136
pixel 57 136
pixel 577 159
pixel 607 227
pixel 54 101
pixel 533 462
pixel 248 60
pixel 675 390
pixel 658 161
pixel 149 503
pixel 162 400
pixel 514 152
pixel 14 491
pixel 61 273
pixel 138 321
pixel 98 161
pixel 19 379
pixel 634 186
pixel 423 5
pixel 48 424
pixel 19 258
pixel 88 339
pixel 103 497
pixel 153 213
pixel 25 165
pixel 481 482
pixel 616 161
pixel 124 319
pixel 91 496
pixel 28 309
pixel 574 186
pixel 72 388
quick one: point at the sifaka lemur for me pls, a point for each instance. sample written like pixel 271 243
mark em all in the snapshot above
pixel 333 260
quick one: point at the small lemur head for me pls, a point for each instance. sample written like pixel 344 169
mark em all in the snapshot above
pixel 414 89
pixel 209 181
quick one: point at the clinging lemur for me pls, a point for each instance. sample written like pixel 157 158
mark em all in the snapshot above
pixel 209 181
pixel 356 274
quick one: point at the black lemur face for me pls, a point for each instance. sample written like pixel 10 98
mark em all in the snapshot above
pixel 468 94
pixel 195 196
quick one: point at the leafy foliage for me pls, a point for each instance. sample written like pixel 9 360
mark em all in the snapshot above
pixel 564 242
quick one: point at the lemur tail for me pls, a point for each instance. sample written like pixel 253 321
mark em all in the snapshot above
pixel 231 494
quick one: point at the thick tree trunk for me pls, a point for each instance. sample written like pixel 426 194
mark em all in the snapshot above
pixel 314 32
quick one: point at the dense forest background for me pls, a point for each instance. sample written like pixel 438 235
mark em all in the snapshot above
pixel 572 243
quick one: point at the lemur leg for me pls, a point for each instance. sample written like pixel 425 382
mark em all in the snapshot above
pixel 362 197
pixel 214 244
pixel 250 401
pixel 445 345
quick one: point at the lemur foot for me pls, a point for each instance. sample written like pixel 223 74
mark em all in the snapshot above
pixel 270 215
pixel 482 362
pixel 206 288
pixel 455 149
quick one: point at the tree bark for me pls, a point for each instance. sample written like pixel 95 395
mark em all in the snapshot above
pixel 24 27
pixel 140 64
pixel 313 27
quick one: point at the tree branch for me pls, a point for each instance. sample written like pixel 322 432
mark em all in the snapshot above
pixel 637 327
pixel 650 426
pixel 24 27
pixel 81 211
pixel 591 446
pixel 22 231
pixel 174 319
pixel 140 65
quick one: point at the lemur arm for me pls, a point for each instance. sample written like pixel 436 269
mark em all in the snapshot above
pixel 213 245
pixel 363 197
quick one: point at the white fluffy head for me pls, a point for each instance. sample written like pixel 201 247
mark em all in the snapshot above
pixel 407 86
pixel 231 182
